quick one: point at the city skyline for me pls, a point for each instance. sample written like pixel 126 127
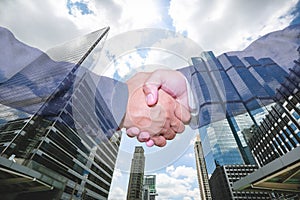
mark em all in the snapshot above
pixel 76 19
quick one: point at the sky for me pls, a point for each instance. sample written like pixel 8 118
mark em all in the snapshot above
pixel 217 25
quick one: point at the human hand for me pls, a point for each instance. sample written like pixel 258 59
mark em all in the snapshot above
pixel 171 81
pixel 160 122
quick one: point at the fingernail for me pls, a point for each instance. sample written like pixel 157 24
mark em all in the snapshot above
pixel 149 143
pixel 149 98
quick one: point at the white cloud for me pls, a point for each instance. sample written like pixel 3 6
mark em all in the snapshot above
pixel 118 185
pixel 229 25
pixel 117 194
pixel 44 24
pixel 178 183
pixel 38 23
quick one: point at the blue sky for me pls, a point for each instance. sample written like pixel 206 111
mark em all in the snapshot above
pixel 217 25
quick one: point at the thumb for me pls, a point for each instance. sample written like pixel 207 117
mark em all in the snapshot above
pixel 172 82
pixel 150 89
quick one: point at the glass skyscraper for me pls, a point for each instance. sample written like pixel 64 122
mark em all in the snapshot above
pixel 54 142
pixel 232 95
pixel 279 131
pixel 275 144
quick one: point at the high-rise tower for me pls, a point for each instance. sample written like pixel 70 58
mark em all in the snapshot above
pixel 201 171
pixel 51 147
pixel 135 185
pixel 275 143
pixel 233 94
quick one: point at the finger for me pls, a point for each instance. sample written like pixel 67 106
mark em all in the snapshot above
pixel 151 87
pixel 143 137
pixel 150 143
pixel 133 131
pixel 169 135
pixel 182 113
pixel 151 91
pixel 177 125
pixel 159 140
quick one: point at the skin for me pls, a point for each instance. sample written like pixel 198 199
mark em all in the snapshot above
pixel 156 123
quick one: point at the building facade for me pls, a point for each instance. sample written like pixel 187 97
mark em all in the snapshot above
pixel 275 143
pixel 149 191
pixel 233 94
pixel 223 178
pixel 201 171
pixel 136 179
pixel 279 132
pixel 51 147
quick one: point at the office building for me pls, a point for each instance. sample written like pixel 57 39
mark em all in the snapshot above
pixel 275 143
pixel 233 94
pixel 136 179
pixel 149 191
pixel 223 178
pixel 51 146
pixel 201 171
pixel 279 133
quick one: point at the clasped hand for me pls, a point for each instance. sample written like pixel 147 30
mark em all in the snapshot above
pixel 157 106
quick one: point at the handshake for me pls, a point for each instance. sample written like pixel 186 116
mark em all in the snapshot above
pixel 158 106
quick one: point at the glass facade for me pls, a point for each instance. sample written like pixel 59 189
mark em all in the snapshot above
pixel 49 125
pixel 279 132
pixel 275 143
pixel 233 94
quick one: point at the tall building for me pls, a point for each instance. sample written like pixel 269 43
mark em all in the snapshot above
pixel 279 133
pixel 223 178
pixel 135 185
pixel 51 147
pixel 201 171
pixel 233 94
pixel 149 191
pixel 275 143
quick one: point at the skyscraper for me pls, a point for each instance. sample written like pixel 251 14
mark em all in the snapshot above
pixel 51 147
pixel 201 171
pixel 278 132
pixel 275 143
pixel 232 95
pixel 135 185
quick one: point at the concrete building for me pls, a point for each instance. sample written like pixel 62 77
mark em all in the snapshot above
pixel 223 178
pixel 201 171
pixel 149 191
pixel 136 179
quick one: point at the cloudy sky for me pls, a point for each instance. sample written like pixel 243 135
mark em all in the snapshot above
pixel 217 25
